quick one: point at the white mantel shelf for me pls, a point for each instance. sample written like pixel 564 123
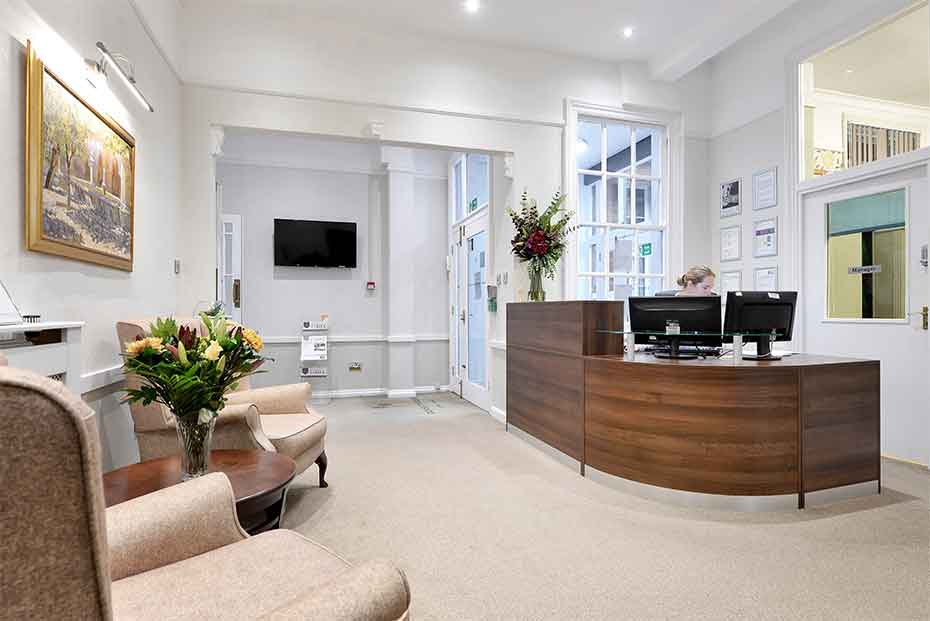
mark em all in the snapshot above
pixel 43 325
pixel 63 358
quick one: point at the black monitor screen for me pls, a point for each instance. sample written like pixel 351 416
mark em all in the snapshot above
pixel 693 314
pixel 310 243
pixel 769 312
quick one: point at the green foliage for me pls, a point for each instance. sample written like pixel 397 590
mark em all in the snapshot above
pixel 190 379
pixel 540 238
pixel 164 328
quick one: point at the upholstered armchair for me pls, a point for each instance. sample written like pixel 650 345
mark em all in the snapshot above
pixel 274 419
pixel 178 553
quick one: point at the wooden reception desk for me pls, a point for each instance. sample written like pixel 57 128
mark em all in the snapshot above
pixel 718 427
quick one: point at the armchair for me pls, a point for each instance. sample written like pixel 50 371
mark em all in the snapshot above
pixel 273 419
pixel 178 553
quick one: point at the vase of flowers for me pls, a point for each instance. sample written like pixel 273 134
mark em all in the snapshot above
pixel 190 373
pixel 540 239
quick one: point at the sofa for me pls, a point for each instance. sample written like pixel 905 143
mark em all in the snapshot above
pixel 178 553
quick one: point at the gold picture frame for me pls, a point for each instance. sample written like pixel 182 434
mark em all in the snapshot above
pixel 80 174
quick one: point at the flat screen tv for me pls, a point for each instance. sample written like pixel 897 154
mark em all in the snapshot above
pixel 311 243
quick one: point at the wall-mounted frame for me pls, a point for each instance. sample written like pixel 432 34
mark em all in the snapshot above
pixel 80 174
pixel 765 238
pixel 730 281
pixel 731 198
pixel 765 279
pixel 765 188
pixel 730 244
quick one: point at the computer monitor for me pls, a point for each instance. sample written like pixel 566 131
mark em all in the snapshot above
pixel 698 320
pixel 764 316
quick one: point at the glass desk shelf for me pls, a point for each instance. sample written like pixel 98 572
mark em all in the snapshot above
pixel 673 341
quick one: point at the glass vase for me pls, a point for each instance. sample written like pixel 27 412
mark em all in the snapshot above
pixel 195 438
pixel 537 293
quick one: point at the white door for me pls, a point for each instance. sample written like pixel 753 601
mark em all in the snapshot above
pixel 846 234
pixel 231 267
pixel 472 332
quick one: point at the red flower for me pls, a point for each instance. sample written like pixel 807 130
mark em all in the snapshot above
pixel 538 243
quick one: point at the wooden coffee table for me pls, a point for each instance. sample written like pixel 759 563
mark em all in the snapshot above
pixel 259 481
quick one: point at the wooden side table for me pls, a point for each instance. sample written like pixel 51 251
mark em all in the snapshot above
pixel 259 481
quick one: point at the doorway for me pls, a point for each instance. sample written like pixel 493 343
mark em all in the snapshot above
pixel 864 286
pixel 231 266
pixel 470 261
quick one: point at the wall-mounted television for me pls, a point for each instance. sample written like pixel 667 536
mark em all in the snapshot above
pixel 312 243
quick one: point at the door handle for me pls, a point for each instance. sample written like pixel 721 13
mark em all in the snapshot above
pixel 236 292
pixel 924 315
pixel 462 316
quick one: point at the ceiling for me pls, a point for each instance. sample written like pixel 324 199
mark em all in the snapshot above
pixel 673 36
pixel 865 66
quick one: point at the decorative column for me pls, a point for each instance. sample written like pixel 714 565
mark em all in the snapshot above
pixel 399 270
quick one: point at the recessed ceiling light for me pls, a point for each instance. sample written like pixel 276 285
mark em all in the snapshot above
pixel 628 32
pixel 472 6
pixel 581 145
pixel 849 71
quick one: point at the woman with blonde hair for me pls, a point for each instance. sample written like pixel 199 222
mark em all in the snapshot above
pixel 697 281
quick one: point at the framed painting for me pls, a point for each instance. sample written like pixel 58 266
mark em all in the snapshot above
pixel 80 174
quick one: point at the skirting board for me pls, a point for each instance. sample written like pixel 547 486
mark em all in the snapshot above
pixel 378 392
pixel 499 414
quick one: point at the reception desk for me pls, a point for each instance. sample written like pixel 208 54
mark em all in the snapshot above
pixel 747 429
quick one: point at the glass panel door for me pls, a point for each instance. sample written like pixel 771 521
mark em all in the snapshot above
pixel 477 308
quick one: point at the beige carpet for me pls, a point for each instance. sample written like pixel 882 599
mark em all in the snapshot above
pixel 489 527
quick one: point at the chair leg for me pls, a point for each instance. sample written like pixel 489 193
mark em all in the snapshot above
pixel 321 461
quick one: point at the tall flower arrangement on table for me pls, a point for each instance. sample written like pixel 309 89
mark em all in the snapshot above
pixel 190 374
pixel 540 239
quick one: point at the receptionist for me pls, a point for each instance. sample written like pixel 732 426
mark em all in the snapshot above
pixel 697 281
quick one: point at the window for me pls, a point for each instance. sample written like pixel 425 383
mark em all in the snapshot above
pixel 620 209
pixel 471 184
pixel 860 103
pixel 866 257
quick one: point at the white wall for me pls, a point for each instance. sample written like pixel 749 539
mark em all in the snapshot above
pixel 275 175
pixel 730 158
pixel 58 288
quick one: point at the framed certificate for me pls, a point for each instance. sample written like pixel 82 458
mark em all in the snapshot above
pixel 765 189
pixel 730 243
pixel 765 238
pixel 731 198
pixel 765 279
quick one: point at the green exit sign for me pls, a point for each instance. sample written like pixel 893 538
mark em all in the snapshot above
pixel 645 249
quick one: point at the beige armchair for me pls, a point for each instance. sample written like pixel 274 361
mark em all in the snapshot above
pixel 274 419
pixel 176 554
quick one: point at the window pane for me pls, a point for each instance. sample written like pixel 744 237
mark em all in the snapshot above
pixel 648 202
pixel 588 146
pixel 613 200
pixel 648 286
pixel 618 148
pixel 623 196
pixel 592 288
pixel 620 287
pixel 590 188
pixel 866 258
pixel 651 251
pixel 591 249
pixel 620 250
pixel 648 152
pixel 478 181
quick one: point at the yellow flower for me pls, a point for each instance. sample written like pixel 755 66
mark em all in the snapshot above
pixel 213 351
pixel 252 338
pixel 134 348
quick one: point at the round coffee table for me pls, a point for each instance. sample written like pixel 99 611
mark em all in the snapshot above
pixel 259 481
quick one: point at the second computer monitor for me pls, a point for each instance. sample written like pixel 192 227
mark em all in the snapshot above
pixel 698 320
pixel 761 316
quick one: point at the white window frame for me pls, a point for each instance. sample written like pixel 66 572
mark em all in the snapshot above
pixel 671 184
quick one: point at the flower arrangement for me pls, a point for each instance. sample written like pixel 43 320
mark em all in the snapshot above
pixel 190 374
pixel 540 238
